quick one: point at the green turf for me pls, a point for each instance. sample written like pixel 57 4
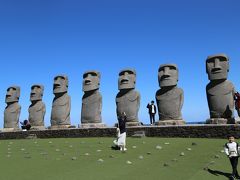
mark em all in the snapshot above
pixel 93 159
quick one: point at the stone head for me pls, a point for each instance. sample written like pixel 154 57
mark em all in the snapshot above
pixel 60 84
pixel 91 80
pixel 13 94
pixel 127 79
pixel 36 92
pixel 167 75
pixel 217 67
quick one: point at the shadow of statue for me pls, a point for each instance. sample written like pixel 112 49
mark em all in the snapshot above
pixel 220 173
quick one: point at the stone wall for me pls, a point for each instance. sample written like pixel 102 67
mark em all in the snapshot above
pixel 187 131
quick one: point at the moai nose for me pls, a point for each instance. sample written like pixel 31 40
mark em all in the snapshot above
pixel 217 64
pixel 166 71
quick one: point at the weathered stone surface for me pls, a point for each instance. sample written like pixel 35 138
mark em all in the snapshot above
pixel 91 100
pixel 37 109
pixel 128 99
pixel 220 92
pixel 169 97
pixel 199 131
pixel 13 109
pixel 61 106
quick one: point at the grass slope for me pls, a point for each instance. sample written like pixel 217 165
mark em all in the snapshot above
pixel 92 158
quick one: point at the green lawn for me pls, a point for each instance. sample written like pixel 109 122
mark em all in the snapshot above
pixel 93 159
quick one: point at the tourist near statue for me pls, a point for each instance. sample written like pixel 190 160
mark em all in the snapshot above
pixel 61 106
pixel 169 97
pixel 128 99
pixel 220 91
pixel 13 109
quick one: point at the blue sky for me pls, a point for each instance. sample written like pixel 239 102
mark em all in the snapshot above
pixel 40 39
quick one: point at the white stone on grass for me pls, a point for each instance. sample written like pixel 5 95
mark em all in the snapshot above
pixel 57 150
pixel 71 146
pixel 134 147
pixel 22 149
pixel 129 162
pixel 222 151
pixel 166 143
pixel 158 147
pixel 50 142
pixel 182 154
pixel 74 158
pixel 140 157
pixel 99 150
pixel 86 154
pixel 100 160
pixel 189 149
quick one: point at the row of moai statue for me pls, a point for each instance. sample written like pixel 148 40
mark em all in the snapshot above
pixel 220 95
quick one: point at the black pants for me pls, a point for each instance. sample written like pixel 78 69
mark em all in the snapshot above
pixel 152 118
pixel 234 163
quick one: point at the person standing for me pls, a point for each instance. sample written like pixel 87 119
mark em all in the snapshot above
pixel 122 128
pixel 237 102
pixel 231 149
pixel 152 111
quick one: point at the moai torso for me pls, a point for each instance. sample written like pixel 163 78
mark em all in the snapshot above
pixel 220 98
pixel 128 102
pixel 92 98
pixel 91 107
pixel 170 103
pixel 61 110
pixel 11 115
pixel 37 113
pixel 61 105
pixel 128 99
pixel 37 109
pixel 220 91
pixel 169 97
pixel 13 109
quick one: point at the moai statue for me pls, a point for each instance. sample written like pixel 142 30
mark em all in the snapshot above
pixel 13 109
pixel 128 99
pixel 220 91
pixel 37 109
pixel 61 106
pixel 91 100
pixel 169 97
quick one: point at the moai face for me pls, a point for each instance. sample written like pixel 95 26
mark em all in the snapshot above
pixel 217 67
pixel 127 79
pixel 60 84
pixel 36 92
pixel 91 80
pixel 167 75
pixel 13 94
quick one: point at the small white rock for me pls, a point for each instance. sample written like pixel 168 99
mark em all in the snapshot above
pixel 140 157
pixel 134 147
pixel 158 147
pixel 100 160
pixel 166 143
pixel 86 154
pixel 129 162
pixel 189 149
pixel 182 154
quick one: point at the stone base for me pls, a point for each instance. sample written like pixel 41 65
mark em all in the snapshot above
pixel 130 124
pixel 92 125
pixel 38 128
pixel 220 121
pixel 10 129
pixel 170 122
pixel 65 126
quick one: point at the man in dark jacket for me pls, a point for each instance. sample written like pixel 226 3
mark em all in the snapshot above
pixel 152 111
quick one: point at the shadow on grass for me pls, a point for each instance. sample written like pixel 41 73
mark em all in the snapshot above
pixel 220 173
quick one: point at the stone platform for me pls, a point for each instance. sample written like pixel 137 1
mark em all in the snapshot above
pixel 183 131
